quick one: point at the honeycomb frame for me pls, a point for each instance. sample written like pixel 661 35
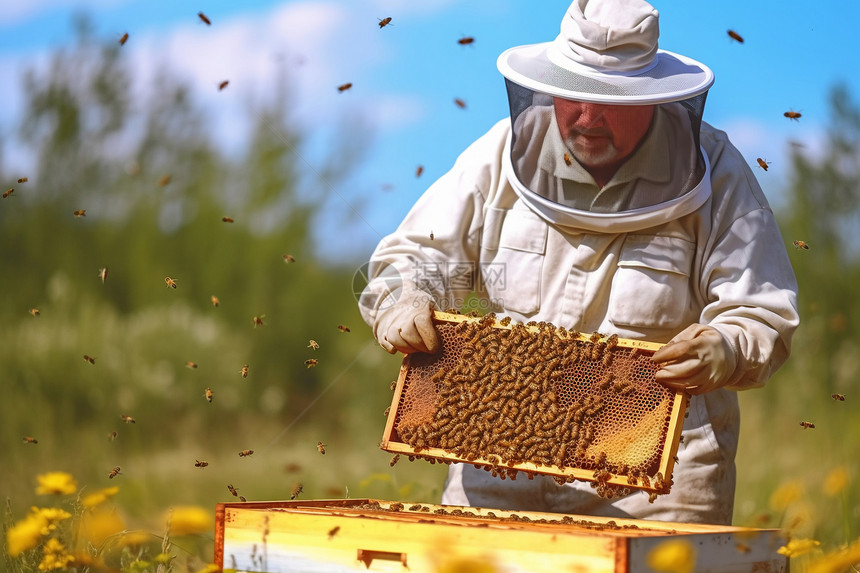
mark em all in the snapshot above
pixel 552 398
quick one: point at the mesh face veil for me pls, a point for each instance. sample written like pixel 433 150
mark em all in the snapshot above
pixel 605 161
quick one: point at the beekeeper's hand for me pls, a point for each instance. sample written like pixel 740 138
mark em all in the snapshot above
pixel 699 359
pixel 407 326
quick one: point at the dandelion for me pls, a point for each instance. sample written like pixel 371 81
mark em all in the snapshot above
pixel 57 483
pixel 797 547
pixel 835 481
pixel 786 494
pixel 674 556
pixel 99 497
pixel 24 535
pixel 55 556
pixel 190 520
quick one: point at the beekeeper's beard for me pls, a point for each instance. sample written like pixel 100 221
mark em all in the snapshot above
pixel 593 147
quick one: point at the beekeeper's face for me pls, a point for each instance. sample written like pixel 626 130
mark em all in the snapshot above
pixel 600 135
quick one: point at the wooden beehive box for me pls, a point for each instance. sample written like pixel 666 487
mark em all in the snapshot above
pixel 541 400
pixel 364 534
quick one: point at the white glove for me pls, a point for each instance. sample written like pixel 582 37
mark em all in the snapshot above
pixel 407 326
pixel 698 359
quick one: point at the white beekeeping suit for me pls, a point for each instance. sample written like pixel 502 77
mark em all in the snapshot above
pixel 660 234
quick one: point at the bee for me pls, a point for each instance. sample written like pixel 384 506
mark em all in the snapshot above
pixel 393 385
pixel 8 192
pixel 22 179
pixel 258 320
pixel 123 39
pixel 311 362
pixel 762 163
pixel 466 41
pixel 297 489
pixel 200 464
pixel 567 158
pixel 838 397
pixel 227 219
pixel 652 497
pixel 384 22
pixel 289 259
pixel 245 453
pixel 111 436
pixel 343 87
pixel 798 244
pixel 735 36
pixel 321 448
pixel 232 490
pixel 113 473
pixel 79 213
pixel 742 548
pixel 89 359
pixel 792 115
pixel 209 395
pixel 170 282
pixel 215 300
pixel 333 531
pixel 30 440
pixel 127 419
pixel 164 180
pixel 35 311
pixel 460 103
pixel 205 19
pixel 394 460
pixel 806 425
pixel 242 498
pixel 342 328
pixel 189 364
pixel 223 85
pixel 103 275
pixel 244 371
pixel 419 170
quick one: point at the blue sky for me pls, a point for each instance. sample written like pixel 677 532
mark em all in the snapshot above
pixel 406 76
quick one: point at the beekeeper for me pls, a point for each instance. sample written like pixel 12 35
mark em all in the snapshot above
pixel 604 203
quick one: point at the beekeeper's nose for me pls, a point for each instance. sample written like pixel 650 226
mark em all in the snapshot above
pixel 591 115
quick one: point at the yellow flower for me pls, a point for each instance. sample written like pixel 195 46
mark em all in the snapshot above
pixel 837 561
pixel 57 483
pixel 135 538
pixel 96 526
pixel 675 556
pixel 835 481
pixel 54 556
pixel 797 547
pixel 25 534
pixel 786 494
pixel 210 568
pixel 99 497
pixel 190 520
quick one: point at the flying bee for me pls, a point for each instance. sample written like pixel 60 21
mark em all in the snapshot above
pixel 460 103
pixel 313 344
pixel 22 179
pixel 735 36
pixel 838 397
pixel 244 371
pixel 466 41
pixel 79 213
pixel 8 192
pixel 258 320
pixel 30 440
pixel 419 170
pixel 203 18
pixel 431 235
pixel 215 300
pixel 384 22
pixel 567 158
pixel 792 115
pixel 35 311
pixel 343 87
pixel 289 259
pixel 321 448
pixel 170 282
pixel 798 244
pixel 164 180
pixel 232 490
pixel 200 464
pixel 111 436
pixel 297 489
pixel 123 39
pixel 113 473
pixel 387 411
pixel 762 163
pixel 394 460
pixel 333 531
pixel 103 275
pixel 242 498
pixel 209 395
pixel 227 219
pixel 245 453
pixel 342 328
pixel 127 419
pixel 89 359
pixel 223 85
pixel 806 425
pixel 311 362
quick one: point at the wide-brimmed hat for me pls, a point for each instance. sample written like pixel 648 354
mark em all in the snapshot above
pixel 607 52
